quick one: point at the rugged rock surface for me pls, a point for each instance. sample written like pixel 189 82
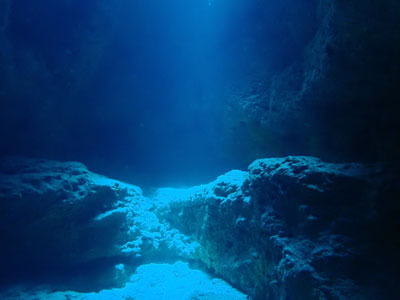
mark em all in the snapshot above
pixel 338 98
pixel 59 217
pixel 53 215
pixel 296 228
pixel 289 228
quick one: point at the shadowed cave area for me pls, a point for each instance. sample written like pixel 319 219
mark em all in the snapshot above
pixel 203 149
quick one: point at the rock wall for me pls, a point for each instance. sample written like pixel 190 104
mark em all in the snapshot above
pixel 289 228
pixel 338 100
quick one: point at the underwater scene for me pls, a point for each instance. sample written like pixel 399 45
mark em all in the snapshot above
pixel 199 149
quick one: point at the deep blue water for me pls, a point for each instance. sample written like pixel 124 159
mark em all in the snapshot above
pixel 176 92
pixel 144 90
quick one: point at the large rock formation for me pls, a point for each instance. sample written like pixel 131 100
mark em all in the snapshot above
pixel 335 99
pixel 53 216
pixel 289 228
pixel 295 228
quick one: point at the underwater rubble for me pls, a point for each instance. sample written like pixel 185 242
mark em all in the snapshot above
pixel 288 228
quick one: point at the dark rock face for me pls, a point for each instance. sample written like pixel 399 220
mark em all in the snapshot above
pixel 289 228
pixel 338 99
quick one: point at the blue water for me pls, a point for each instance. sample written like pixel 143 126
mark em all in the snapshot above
pixel 145 91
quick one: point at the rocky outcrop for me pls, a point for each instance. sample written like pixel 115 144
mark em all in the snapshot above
pixel 289 228
pixel 57 215
pixel 294 228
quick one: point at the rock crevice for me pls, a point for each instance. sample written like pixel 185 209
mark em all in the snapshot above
pixel 289 228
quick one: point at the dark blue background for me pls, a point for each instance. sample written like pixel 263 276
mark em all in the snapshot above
pixel 160 92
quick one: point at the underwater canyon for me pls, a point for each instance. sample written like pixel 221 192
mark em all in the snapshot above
pixel 115 115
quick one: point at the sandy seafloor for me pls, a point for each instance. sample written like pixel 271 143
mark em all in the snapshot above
pixel 150 282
